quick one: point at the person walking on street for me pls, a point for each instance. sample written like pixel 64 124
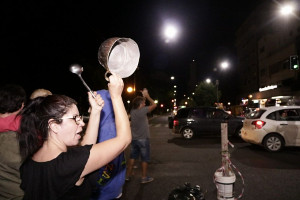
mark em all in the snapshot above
pixel 140 145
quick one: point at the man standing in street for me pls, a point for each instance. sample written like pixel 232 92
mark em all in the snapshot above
pixel 140 144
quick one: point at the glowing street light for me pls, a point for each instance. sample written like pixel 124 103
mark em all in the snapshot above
pixel 208 80
pixel 224 65
pixel 129 89
pixel 287 9
pixel 172 78
pixel 170 32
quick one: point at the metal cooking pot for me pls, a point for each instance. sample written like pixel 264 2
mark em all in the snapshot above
pixel 119 55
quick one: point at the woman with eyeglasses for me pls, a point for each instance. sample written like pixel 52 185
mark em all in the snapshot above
pixel 56 165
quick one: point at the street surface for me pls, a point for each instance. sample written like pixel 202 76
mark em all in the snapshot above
pixel 174 161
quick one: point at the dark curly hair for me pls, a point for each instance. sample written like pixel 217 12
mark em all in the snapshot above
pixel 11 98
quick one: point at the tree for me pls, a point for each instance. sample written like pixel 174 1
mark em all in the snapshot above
pixel 206 94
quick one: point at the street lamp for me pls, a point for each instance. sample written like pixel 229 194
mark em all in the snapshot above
pixel 130 89
pixel 224 65
pixel 217 84
pixel 287 9
pixel 170 32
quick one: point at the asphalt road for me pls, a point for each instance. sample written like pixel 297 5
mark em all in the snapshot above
pixel 174 161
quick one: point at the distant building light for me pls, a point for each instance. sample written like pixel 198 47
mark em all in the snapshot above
pixel 245 101
pixel 281 97
pixel 270 87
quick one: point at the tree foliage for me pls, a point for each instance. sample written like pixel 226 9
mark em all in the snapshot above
pixel 206 94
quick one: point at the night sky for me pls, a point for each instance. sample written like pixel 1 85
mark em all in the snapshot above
pixel 41 39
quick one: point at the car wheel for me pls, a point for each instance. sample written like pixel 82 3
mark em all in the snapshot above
pixel 273 142
pixel 187 133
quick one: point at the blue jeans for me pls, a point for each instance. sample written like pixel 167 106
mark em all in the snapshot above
pixel 140 147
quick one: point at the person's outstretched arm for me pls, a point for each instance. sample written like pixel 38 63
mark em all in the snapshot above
pixel 152 105
pixel 91 132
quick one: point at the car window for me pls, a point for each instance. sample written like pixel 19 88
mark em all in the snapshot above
pixel 182 113
pixel 196 112
pixel 256 114
pixel 282 115
pixel 272 116
pixel 288 115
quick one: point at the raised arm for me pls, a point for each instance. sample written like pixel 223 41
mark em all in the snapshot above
pixel 104 152
pixel 91 132
pixel 152 105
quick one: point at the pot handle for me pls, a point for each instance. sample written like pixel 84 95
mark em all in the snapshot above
pixel 107 75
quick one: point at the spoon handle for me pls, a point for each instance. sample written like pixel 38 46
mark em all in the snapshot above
pixel 86 86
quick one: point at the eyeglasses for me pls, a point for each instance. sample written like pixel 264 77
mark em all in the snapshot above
pixel 77 118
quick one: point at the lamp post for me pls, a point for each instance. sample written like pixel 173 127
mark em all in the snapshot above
pixel 217 84
pixel 223 65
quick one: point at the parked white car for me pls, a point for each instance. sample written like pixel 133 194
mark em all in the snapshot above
pixel 273 127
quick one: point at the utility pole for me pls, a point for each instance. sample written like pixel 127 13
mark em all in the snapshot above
pixel 224 148
pixel 217 84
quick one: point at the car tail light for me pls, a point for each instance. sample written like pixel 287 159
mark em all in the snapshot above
pixel 258 124
pixel 175 122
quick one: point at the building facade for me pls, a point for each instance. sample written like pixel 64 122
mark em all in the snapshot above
pixel 265 43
